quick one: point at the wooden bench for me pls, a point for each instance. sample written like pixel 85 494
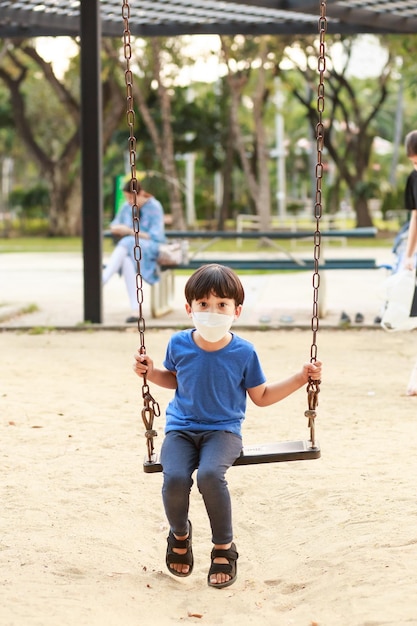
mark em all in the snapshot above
pixel 163 292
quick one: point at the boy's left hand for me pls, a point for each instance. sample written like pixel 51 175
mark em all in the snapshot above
pixel 312 370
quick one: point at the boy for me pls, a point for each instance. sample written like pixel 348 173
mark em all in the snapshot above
pixel 212 370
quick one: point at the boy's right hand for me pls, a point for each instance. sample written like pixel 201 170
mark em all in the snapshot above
pixel 143 365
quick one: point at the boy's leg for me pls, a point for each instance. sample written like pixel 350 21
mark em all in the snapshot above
pixel 218 452
pixel 179 458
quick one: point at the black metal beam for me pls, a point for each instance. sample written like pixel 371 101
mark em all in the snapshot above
pixel 394 21
pixel 91 166
pixel 176 30
pixel 300 6
pixel 265 28
pixel 22 20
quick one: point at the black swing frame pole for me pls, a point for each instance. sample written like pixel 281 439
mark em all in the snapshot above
pixel 91 164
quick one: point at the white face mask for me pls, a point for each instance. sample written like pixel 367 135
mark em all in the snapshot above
pixel 212 326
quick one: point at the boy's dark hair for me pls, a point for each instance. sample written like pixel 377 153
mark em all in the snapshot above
pixel 217 279
pixel 411 143
pixel 127 187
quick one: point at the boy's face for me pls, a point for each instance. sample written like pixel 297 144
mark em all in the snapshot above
pixel 214 304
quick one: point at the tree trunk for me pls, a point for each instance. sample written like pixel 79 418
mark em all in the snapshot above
pixel 227 172
pixel 363 217
pixel 257 177
pixel 60 169
pixel 163 139
pixel 351 148
pixel 263 199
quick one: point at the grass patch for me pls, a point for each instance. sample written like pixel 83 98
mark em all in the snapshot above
pixel 39 330
pixel 46 244
pixel 8 310
pixel 74 244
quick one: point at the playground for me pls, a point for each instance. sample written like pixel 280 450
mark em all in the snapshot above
pixel 83 533
pixel 324 542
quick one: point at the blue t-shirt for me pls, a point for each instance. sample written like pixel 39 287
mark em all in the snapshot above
pixel 211 386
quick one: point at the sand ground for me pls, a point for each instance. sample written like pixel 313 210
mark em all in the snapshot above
pixel 331 541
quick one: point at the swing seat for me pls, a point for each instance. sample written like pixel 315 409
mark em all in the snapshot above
pixel 259 453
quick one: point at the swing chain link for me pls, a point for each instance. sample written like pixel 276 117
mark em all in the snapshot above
pixel 313 386
pixel 150 406
pixel 313 390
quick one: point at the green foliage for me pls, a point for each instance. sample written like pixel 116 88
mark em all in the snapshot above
pixel 365 189
pixel 51 123
pixel 6 123
pixel 392 201
pixel 32 201
pixel 201 125
pixel 9 147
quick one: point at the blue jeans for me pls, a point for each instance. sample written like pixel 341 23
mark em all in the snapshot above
pixel 212 452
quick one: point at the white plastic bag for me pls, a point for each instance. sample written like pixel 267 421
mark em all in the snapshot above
pixel 400 295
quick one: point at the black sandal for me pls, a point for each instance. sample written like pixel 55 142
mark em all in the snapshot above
pixel 223 568
pixel 183 559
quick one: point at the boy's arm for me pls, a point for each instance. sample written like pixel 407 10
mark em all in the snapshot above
pixel 267 394
pixel 144 365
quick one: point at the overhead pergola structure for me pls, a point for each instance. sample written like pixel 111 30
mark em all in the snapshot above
pixel 34 18
pixel 90 20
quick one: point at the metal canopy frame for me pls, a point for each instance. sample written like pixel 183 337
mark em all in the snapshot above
pixel 93 19
pixel 31 18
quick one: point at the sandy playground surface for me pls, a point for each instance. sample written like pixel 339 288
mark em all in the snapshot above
pixel 328 542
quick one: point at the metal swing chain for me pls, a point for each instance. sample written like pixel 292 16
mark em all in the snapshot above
pixel 150 406
pixel 313 386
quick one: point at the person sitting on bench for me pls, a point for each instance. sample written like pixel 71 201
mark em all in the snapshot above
pixel 151 234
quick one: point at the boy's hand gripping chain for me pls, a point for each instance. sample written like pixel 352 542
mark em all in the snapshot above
pixel 149 411
pixel 313 390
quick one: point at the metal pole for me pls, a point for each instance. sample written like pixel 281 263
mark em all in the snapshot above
pixel 91 155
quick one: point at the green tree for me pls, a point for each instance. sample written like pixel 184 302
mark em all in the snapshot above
pixel 351 112
pixel 252 63
pixel 46 116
